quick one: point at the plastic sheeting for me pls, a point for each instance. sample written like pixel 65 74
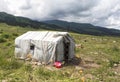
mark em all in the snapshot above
pixel 47 46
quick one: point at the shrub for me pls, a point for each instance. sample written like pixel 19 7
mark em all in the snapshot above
pixel 14 34
pixel 2 40
pixel 1 31
pixel 5 36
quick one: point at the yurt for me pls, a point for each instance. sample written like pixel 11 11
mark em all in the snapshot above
pixel 45 46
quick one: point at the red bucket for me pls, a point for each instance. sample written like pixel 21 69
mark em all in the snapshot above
pixel 58 64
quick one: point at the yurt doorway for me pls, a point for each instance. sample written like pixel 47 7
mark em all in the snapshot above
pixel 66 51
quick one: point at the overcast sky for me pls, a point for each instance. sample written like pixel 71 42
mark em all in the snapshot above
pixel 98 12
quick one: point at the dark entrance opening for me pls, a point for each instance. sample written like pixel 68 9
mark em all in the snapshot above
pixel 66 51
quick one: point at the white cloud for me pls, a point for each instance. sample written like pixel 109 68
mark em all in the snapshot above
pixel 107 13
pixel 98 12
pixel 3 6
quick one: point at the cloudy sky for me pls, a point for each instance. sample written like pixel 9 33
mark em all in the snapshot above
pixel 98 12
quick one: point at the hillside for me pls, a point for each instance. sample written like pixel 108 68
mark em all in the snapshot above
pixel 97 60
pixel 25 22
pixel 82 28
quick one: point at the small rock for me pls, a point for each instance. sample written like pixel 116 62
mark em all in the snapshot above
pixel 114 41
pixel 115 73
pixel 78 68
pixel 115 65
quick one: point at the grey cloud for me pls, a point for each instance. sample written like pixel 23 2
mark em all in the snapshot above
pixel 26 6
pixel 98 12
pixel 76 8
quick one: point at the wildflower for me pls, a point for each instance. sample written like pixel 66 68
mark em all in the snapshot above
pixel 81 71
pixel 83 79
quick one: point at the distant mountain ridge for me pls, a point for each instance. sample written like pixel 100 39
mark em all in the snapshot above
pixel 83 28
pixel 23 22
pixel 26 22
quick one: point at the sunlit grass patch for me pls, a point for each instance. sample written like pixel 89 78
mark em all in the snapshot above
pixel 102 51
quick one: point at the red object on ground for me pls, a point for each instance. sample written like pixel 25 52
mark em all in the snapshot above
pixel 58 64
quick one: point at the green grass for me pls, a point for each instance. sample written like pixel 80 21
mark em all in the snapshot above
pixel 99 54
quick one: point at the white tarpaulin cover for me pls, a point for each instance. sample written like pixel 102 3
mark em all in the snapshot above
pixel 45 46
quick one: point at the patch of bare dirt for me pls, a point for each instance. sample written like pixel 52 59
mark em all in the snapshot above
pixel 89 76
pixel 78 62
pixel 89 63
pixel 4 81
pixel 82 63
pixel 94 65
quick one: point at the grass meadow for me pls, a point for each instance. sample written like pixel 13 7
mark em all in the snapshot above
pixel 97 58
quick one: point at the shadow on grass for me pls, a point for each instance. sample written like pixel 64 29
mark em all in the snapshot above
pixel 73 62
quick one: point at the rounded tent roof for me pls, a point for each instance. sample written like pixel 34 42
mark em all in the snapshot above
pixel 42 35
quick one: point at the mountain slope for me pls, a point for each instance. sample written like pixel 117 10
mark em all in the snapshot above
pixel 24 22
pixel 83 28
